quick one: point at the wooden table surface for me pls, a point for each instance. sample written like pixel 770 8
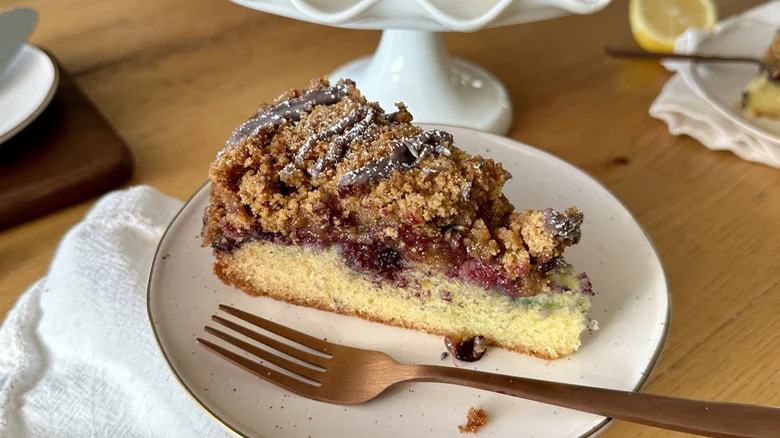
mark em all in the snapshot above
pixel 175 76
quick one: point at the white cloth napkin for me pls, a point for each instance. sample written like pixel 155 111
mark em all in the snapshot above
pixel 77 354
pixel 688 113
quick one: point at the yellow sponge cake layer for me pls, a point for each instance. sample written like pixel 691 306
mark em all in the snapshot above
pixel 762 97
pixel 547 325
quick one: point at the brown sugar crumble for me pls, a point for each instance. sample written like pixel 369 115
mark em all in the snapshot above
pixel 475 419
pixel 322 166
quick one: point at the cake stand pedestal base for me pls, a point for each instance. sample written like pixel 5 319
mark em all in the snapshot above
pixel 415 68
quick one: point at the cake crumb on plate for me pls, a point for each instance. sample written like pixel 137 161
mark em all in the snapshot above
pixel 475 419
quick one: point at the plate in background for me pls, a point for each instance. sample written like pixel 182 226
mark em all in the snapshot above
pixel 26 88
pixel 722 84
pixel 631 305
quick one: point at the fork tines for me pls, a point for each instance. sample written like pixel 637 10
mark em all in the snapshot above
pixel 308 372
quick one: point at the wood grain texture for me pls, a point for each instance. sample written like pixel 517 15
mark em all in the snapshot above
pixel 69 153
pixel 174 77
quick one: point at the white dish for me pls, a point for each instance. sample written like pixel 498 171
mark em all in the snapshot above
pixel 631 304
pixel 26 88
pixel 722 84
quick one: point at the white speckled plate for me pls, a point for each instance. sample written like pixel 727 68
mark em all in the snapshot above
pixel 631 305
pixel 722 84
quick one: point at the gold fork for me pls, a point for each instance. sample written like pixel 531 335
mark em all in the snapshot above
pixel 347 375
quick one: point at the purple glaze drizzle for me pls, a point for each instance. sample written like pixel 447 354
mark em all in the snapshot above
pixel 565 226
pixel 292 109
pixel 359 122
pixel 408 154
pixel 336 129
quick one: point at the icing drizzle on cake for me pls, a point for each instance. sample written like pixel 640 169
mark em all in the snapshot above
pixel 290 110
pixel 408 154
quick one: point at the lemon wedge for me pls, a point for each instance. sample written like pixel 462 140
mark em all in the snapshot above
pixel 657 23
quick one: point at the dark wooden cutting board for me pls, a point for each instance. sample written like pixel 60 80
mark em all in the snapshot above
pixel 68 154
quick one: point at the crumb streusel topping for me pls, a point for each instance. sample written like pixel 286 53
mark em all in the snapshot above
pixel 325 166
pixel 475 419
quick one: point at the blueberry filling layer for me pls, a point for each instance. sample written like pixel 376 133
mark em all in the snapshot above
pixel 384 260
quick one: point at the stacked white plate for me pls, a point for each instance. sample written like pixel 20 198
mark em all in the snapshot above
pixel 29 79
pixel 722 84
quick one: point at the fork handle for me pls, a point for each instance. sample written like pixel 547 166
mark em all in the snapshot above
pixel 716 419
pixel 642 54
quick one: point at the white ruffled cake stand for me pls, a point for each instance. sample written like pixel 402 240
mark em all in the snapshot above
pixel 412 65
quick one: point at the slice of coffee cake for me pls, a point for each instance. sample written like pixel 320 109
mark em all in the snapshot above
pixel 761 96
pixel 324 200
